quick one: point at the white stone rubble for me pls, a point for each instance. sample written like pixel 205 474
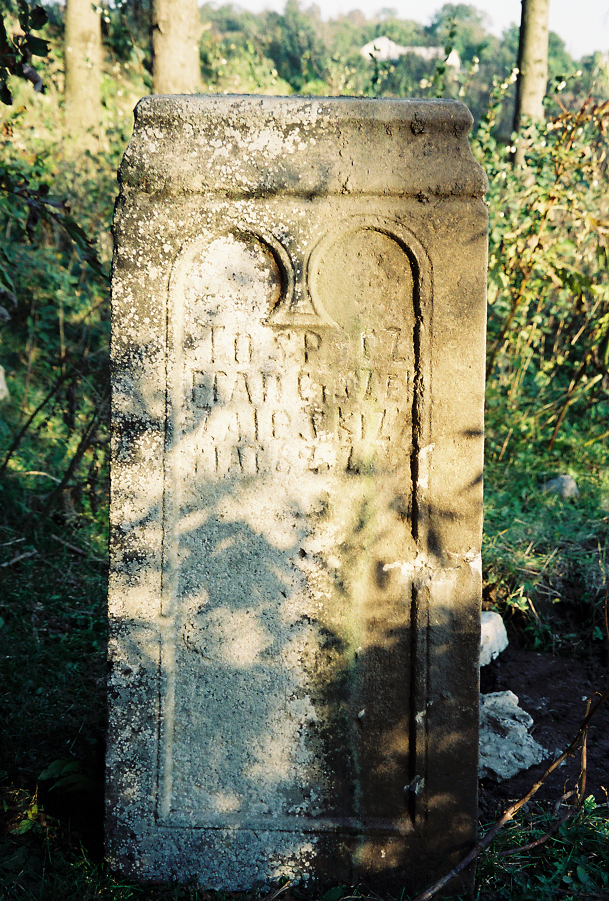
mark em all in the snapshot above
pixel 506 747
pixel 564 486
pixel 493 637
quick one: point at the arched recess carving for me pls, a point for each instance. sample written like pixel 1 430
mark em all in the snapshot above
pixel 381 247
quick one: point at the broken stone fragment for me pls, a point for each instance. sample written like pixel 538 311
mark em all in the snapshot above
pixel 4 392
pixel 563 486
pixel 506 747
pixel 493 637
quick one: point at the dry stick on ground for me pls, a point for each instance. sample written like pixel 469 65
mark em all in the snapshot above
pixel 78 550
pixel 511 811
pixel 18 558
pixel 581 789
pixel 581 782
pixel 278 891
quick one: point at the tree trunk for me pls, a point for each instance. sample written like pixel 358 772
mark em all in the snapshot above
pixel 533 67
pixel 83 62
pixel 176 31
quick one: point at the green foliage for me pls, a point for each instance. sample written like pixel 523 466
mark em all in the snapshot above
pixel 17 50
pixel 53 451
pixel 296 48
pixel 548 277
pixel 462 26
pixel 547 387
pixel 546 559
pixel 297 52
pixel 53 350
pixel 234 57
pixel 66 773
pixel 248 71
pixel 571 862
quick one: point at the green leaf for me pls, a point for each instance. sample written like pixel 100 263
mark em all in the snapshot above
pixel 582 875
pixel 24 14
pixel 7 288
pixel 68 773
pixel 72 783
pixel 5 95
pixel 38 17
pixel 61 767
pixel 37 46
pixel 21 827
pixel 334 894
pixel 75 232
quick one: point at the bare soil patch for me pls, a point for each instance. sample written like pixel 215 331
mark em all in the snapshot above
pixel 554 691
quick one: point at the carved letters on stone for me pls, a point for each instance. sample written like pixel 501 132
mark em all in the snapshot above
pixel 265 393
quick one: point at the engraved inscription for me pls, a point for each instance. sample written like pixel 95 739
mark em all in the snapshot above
pixel 305 412
pixel 260 398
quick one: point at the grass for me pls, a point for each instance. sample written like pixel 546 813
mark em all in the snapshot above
pixel 572 863
pixel 546 557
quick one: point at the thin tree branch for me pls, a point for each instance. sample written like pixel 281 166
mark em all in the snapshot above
pixel 544 838
pixel 580 792
pixel 78 550
pixel 18 558
pixel 84 443
pixel 18 437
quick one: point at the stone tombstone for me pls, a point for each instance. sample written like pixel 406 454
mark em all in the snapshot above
pixel 298 367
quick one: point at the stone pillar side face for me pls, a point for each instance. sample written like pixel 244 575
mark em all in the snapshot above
pixel 298 359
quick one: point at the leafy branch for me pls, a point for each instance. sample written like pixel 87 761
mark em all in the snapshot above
pixel 16 51
pixel 42 206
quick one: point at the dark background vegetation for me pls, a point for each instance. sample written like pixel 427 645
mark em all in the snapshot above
pixel 545 557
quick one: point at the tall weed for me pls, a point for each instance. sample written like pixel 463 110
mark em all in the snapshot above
pixel 548 373
pixel 548 327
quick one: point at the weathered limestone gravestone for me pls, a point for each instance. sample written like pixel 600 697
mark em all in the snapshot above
pixel 298 351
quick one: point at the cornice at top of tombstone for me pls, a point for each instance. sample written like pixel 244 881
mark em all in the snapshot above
pixel 258 146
